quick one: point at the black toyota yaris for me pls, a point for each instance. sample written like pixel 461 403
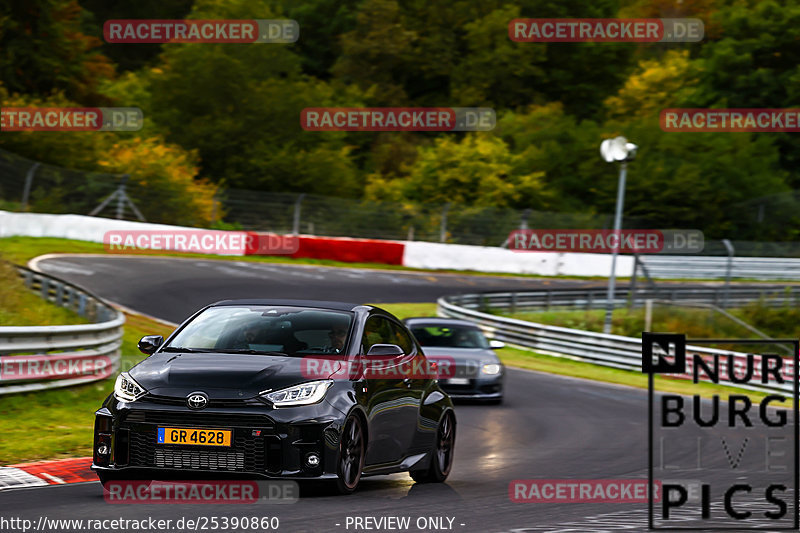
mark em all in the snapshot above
pixel 278 389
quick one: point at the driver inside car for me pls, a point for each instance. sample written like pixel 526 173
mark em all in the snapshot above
pixel 336 337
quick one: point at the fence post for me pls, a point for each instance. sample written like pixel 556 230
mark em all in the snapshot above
pixel 632 288
pixel 443 225
pixel 728 270
pixel 296 221
pixel 26 193
pixel 648 314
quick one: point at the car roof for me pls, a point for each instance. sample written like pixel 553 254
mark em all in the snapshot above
pixel 316 304
pixel 437 321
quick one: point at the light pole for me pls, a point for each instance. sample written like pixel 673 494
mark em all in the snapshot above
pixel 617 149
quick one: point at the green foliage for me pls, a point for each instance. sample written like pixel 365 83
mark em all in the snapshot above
pixel 43 49
pixel 476 171
pixel 230 113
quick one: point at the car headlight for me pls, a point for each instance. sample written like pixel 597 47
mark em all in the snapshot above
pixel 126 389
pixel 303 394
pixel 491 369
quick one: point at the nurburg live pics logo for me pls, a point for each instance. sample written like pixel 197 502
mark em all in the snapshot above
pixel 734 464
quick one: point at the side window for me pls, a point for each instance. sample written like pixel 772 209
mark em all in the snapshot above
pixel 402 339
pixel 377 330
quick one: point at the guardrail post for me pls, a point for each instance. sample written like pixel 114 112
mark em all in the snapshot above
pixel 45 288
pixel 548 299
pixel 60 295
pixel 82 304
pixel 513 302
pixel 589 300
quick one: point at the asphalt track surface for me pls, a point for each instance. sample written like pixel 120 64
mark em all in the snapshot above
pixel 550 427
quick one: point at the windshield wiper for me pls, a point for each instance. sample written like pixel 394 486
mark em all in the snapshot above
pixel 172 349
pixel 251 351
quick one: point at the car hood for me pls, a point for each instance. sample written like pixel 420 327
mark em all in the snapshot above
pixel 462 354
pixel 220 375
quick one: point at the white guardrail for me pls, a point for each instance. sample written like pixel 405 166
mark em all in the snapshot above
pixel 46 357
pixel 597 348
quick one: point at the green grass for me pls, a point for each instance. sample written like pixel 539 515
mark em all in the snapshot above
pixel 55 424
pixel 21 307
pixel 403 311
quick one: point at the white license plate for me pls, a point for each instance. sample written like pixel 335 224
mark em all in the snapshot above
pixel 458 381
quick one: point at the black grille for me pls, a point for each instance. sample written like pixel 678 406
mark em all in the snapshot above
pixel 200 459
pixel 205 419
pixel 245 455
pixel 169 400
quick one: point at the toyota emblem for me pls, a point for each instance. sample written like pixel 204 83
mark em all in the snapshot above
pixel 197 400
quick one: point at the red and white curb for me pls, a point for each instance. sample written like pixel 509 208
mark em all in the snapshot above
pixel 44 473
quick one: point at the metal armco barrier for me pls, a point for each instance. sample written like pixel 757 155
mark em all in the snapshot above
pixel 595 298
pixel 711 267
pixel 46 357
pixel 596 348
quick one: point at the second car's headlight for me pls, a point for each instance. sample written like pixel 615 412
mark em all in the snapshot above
pixel 304 394
pixel 491 369
pixel 126 389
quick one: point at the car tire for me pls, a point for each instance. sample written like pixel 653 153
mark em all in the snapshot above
pixel 442 454
pixel 350 462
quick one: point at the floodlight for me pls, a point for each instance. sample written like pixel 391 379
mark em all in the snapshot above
pixel 617 149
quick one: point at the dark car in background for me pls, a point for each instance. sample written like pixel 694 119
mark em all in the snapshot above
pixel 479 373
pixel 253 388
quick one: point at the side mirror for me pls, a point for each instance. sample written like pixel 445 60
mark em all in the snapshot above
pixel 496 345
pixel 150 343
pixel 385 349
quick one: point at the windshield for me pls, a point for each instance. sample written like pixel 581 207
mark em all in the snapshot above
pixel 265 329
pixel 450 336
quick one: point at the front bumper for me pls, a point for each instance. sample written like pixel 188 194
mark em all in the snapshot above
pixel 479 388
pixel 266 443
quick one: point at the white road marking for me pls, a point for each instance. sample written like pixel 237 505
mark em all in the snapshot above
pixel 53 478
pixel 52 266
